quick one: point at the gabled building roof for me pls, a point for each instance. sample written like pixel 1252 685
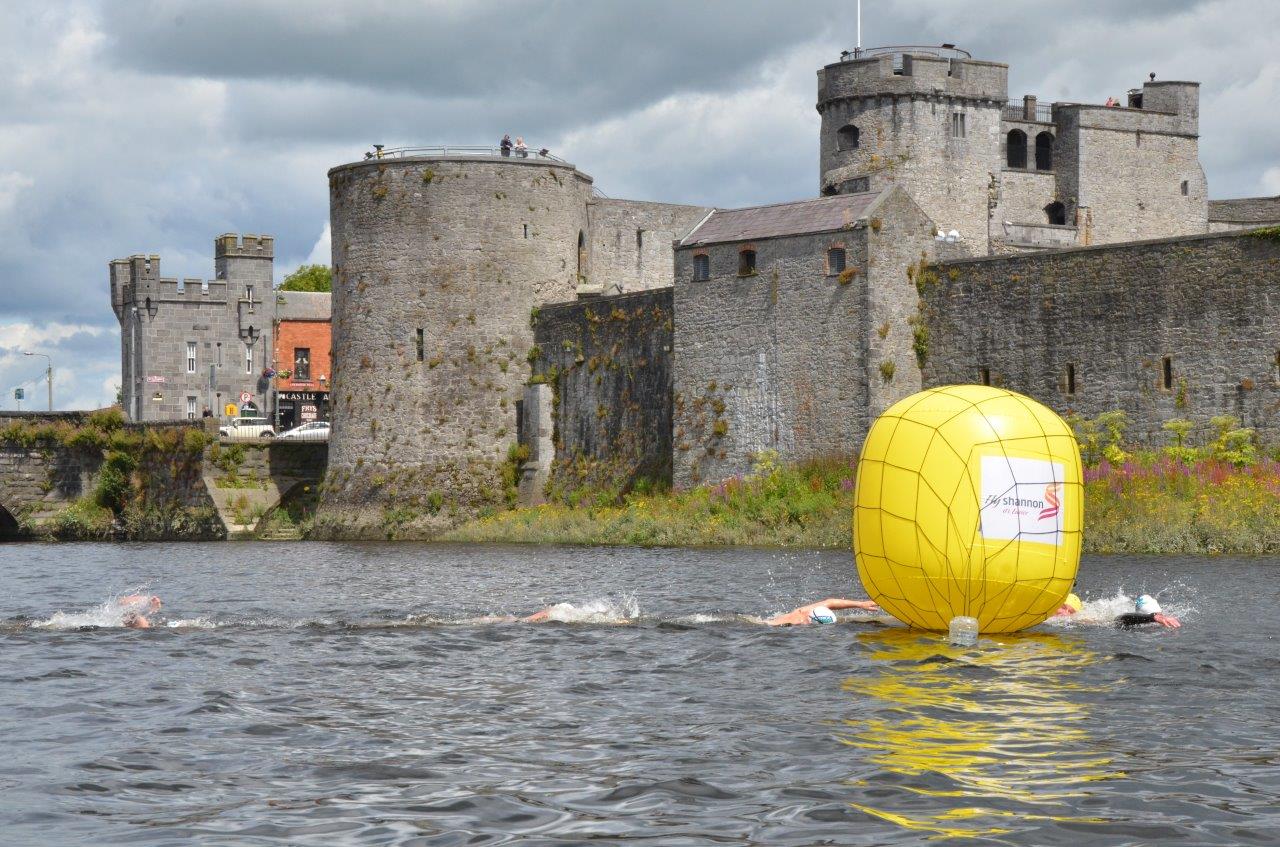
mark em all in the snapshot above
pixel 825 214
pixel 1245 210
pixel 303 306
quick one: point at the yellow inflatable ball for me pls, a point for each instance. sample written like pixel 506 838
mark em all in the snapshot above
pixel 968 501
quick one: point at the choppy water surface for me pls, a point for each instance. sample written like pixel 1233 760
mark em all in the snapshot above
pixel 330 694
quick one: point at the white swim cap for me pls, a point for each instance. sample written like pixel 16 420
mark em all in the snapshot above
pixel 821 614
pixel 1146 605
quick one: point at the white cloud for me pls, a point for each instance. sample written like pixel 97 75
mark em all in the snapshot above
pixel 1271 181
pixel 17 338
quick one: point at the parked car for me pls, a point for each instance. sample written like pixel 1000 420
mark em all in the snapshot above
pixel 242 429
pixel 314 431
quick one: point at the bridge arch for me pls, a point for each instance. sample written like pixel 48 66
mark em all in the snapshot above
pixel 10 529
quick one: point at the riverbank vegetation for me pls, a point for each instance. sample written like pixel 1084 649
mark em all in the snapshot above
pixel 138 476
pixel 1218 496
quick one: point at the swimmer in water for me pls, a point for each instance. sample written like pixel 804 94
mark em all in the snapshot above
pixel 1069 606
pixel 1146 610
pixel 137 607
pixel 821 612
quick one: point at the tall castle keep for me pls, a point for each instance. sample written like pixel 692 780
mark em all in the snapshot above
pixel 191 344
pixel 1011 176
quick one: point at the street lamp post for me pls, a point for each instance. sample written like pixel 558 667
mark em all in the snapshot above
pixel 48 374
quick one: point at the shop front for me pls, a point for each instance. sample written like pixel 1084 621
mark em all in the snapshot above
pixel 295 408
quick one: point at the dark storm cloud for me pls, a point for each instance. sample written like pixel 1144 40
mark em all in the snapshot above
pixel 603 55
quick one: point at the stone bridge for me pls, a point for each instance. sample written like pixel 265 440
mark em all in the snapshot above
pixel 40 478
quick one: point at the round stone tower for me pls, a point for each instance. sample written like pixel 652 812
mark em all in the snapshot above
pixel 438 263
pixel 925 117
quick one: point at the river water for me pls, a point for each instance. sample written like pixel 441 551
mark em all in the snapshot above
pixel 312 694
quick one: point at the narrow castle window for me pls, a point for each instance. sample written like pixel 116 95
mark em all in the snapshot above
pixel 526 230
pixel 701 268
pixel 1071 379
pixel 420 343
pixel 957 125
pixel 835 260
pixel 248 358
pixel 848 138
pixel 1186 187
pixel 1057 213
pixel 582 254
pixel 191 357
pixel 639 240
pixel 1044 151
pixel 746 262
pixel 1166 366
pixel 986 376
pixel 219 354
pixel 1016 149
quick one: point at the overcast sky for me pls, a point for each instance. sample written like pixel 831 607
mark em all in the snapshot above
pixel 131 126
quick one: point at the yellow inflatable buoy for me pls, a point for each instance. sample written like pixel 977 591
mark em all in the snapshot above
pixel 968 502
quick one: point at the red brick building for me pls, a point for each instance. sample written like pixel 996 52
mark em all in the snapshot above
pixel 303 339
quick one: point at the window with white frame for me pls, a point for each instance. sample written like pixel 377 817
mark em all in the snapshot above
pixel 248 358
pixel 957 125
pixel 191 357
pixel 191 408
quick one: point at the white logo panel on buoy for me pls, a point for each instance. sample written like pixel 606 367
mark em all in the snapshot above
pixel 1022 498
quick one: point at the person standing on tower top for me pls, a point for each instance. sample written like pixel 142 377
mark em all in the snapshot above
pixel 505 146
pixel 522 150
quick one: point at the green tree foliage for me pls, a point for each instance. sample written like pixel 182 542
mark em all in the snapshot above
pixel 309 278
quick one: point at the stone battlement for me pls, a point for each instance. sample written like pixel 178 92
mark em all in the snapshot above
pixel 917 74
pixel 246 246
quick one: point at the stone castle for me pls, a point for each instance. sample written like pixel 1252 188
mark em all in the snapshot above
pixel 500 325
pixel 189 344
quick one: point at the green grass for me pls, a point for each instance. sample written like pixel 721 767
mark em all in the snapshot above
pixel 1151 504
pixel 807 505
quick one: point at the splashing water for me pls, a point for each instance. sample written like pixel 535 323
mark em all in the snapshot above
pixel 111 613
pixel 601 611
pixel 1175 599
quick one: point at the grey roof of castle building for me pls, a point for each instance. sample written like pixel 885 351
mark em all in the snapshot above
pixel 303 305
pixel 825 214
pixel 1246 210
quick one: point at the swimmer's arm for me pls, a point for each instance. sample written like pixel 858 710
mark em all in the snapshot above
pixel 537 617
pixel 1167 621
pixel 837 603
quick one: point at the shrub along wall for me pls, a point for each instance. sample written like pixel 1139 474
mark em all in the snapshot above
pixel 104 478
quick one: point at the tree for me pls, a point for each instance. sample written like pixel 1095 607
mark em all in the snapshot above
pixel 309 278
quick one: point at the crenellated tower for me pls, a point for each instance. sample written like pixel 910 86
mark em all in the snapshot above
pixel 926 118
pixel 191 344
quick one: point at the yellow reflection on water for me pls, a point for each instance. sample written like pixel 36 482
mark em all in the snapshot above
pixel 975 736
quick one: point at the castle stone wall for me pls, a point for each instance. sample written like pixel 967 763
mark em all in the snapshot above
pixel 1124 169
pixel 609 362
pixel 774 361
pixel 631 243
pixel 795 359
pixel 1209 304
pixel 1023 197
pixel 461 250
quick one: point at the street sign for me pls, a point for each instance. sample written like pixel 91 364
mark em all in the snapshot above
pixel 245 396
pixel 19 394
pixel 231 410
